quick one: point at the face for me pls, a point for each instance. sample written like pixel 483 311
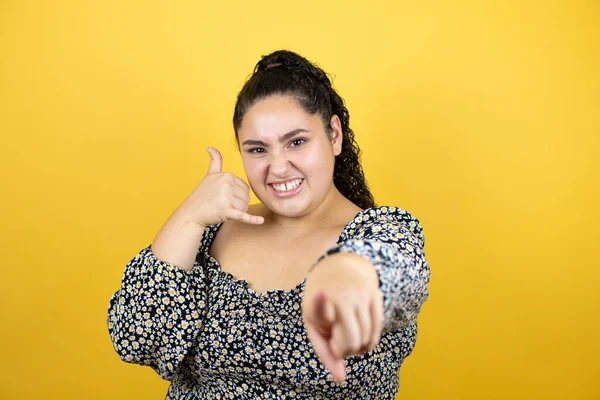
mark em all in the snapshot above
pixel 288 155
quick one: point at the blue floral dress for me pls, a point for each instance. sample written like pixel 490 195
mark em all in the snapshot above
pixel 214 337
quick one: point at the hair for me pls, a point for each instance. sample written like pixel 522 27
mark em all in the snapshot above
pixel 284 72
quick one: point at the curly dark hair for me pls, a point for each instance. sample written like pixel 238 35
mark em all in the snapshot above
pixel 284 72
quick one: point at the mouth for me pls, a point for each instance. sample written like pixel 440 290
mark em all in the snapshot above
pixel 287 189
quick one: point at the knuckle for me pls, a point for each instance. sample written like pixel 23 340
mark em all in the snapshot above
pixel 223 198
pixel 361 350
pixel 337 350
pixel 366 342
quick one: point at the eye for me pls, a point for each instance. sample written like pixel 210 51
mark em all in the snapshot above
pixel 256 150
pixel 297 142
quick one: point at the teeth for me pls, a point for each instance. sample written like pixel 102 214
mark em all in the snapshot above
pixel 284 187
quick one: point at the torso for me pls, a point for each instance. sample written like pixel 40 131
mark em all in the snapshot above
pixel 269 257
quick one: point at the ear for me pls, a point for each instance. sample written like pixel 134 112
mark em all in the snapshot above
pixel 337 135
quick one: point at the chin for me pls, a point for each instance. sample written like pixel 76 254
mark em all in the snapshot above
pixel 292 211
pixel 287 209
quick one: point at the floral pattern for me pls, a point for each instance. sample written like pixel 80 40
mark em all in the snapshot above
pixel 214 337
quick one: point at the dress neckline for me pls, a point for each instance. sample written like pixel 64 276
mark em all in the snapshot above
pixel 297 290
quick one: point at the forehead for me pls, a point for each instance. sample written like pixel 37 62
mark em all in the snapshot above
pixel 274 116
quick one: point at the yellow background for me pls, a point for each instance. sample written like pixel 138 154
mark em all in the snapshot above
pixel 481 118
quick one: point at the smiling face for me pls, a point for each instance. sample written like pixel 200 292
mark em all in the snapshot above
pixel 288 155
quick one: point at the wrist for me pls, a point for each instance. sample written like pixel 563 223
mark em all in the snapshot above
pixel 183 220
pixel 363 267
pixel 354 264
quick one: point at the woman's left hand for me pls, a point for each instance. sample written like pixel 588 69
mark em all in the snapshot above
pixel 342 309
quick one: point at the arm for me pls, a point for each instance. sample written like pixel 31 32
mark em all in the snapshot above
pixel 177 241
pixel 157 313
pixel 393 242
pixel 374 281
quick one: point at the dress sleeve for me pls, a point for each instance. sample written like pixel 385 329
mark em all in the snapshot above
pixel 392 239
pixel 157 313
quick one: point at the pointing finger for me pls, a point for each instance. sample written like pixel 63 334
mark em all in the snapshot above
pixel 377 321
pixel 322 348
pixel 216 161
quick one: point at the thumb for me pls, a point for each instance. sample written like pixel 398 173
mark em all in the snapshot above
pixel 216 161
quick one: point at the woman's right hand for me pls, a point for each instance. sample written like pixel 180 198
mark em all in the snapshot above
pixel 220 196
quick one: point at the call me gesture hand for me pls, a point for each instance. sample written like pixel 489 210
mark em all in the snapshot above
pixel 342 309
pixel 220 196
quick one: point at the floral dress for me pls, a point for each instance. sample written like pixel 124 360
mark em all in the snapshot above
pixel 214 337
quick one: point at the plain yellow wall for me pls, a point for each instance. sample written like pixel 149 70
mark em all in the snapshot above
pixel 481 118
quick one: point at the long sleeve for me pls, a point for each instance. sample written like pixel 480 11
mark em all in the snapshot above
pixel 157 313
pixel 392 239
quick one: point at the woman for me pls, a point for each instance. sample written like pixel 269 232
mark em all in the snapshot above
pixel 313 293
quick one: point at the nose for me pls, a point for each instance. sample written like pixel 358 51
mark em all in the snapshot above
pixel 280 165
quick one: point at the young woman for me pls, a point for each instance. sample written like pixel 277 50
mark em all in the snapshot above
pixel 313 293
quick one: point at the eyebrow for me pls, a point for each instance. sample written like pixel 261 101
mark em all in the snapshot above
pixel 282 139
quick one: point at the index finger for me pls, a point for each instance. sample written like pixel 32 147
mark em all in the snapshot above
pixel 322 347
pixel 241 183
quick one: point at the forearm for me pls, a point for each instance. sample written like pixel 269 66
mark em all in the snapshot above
pixel 177 242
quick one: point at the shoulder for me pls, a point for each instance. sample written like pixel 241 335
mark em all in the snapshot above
pixel 384 219
pixel 235 225
pixel 230 232
pixel 386 213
